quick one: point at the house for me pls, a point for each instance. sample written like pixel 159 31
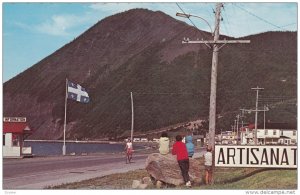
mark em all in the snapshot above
pixel 199 140
pixel 270 134
pixel 224 138
pixel 136 139
pixel 144 139
pixel 228 138
pixel 15 131
pixel 246 135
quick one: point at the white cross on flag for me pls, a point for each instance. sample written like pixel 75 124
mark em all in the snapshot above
pixel 77 93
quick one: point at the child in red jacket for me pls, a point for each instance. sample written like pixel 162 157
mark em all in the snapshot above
pixel 180 150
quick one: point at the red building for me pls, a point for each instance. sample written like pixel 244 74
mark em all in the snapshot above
pixel 15 131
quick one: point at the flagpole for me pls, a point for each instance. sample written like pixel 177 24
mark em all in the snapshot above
pixel 65 123
pixel 132 117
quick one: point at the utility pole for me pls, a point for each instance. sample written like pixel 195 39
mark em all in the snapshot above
pixel 265 109
pixel 221 136
pixel 256 113
pixel 217 45
pixel 237 128
pixel 234 126
pixel 242 127
pixel 242 116
pixel 132 117
pixel 256 110
pixel 213 86
pixel 213 81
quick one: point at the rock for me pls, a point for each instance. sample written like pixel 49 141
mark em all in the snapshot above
pixel 143 186
pixel 135 184
pixel 147 180
pixel 159 184
pixel 165 168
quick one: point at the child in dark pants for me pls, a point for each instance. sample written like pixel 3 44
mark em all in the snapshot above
pixel 180 150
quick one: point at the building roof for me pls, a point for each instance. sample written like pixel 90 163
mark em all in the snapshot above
pixel 277 126
pixel 16 127
pixel 282 126
pixel 250 126
pixel 284 137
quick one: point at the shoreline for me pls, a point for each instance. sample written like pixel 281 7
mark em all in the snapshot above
pixel 76 141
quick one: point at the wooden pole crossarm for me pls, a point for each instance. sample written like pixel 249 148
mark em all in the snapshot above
pixel 208 46
pixel 256 110
pixel 216 42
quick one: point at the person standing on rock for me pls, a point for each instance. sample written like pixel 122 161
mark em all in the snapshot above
pixel 190 146
pixel 129 150
pixel 164 144
pixel 179 149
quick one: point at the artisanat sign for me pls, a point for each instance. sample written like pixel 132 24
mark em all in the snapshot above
pixel 256 156
pixel 14 119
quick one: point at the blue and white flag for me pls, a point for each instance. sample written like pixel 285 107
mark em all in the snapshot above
pixel 77 93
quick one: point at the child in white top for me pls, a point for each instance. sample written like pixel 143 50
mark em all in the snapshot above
pixel 208 165
pixel 129 151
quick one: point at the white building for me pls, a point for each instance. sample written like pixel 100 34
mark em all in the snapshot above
pixel 136 139
pixel 143 139
pixel 273 133
pixel 225 138
pixel 246 135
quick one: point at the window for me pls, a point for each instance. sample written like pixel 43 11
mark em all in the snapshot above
pixel 3 139
pixel 15 140
pixel 294 133
pixel 266 132
pixel 281 132
pixel 274 132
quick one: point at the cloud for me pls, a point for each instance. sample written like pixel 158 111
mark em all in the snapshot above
pixel 237 22
pixel 115 7
pixel 70 24
pixel 57 25
pixel 60 25
pixel 22 25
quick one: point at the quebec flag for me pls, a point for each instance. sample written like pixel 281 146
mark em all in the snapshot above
pixel 77 93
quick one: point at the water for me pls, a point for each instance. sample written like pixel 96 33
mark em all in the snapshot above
pixel 55 148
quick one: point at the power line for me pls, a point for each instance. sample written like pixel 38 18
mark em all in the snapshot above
pixel 210 12
pixel 223 20
pixel 192 21
pixel 227 20
pixel 230 92
pixel 287 25
pixel 262 19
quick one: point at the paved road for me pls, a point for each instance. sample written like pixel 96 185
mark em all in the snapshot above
pixel 41 172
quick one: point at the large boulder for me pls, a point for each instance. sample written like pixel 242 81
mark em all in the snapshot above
pixel 165 168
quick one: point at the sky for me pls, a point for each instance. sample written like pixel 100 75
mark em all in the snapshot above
pixel 33 31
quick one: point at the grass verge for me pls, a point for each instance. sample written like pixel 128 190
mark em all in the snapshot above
pixel 225 178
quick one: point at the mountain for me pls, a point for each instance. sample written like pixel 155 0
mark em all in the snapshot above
pixel 140 51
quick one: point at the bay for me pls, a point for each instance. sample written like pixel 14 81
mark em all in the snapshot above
pixel 48 148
